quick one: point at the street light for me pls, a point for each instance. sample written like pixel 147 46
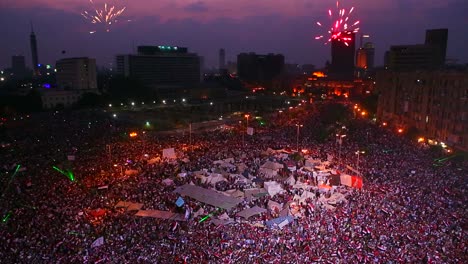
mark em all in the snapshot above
pixel 133 103
pixel 340 141
pixel 357 163
pixel 110 105
pixel 297 136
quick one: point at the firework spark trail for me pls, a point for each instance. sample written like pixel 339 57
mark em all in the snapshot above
pixel 106 15
pixel 340 27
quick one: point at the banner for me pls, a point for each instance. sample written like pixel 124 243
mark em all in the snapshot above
pixel 250 131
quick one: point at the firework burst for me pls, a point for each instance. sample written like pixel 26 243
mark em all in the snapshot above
pixel 106 15
pixel 341 26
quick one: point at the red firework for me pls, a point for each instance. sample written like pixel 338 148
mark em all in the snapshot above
pixel 341 26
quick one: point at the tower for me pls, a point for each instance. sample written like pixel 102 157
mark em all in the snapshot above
pixel 222 59
pixel 35 60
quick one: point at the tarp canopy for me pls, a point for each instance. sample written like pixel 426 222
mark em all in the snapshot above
pixel 272 165
pixel 129 206
pixel 235 193
pixel 208 196
pixel 169 153
pixel 251 212
pixel 256 192
pixel 214 178
pixel 160 214
pixel 280 221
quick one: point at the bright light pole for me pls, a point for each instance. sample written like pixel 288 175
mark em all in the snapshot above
pixel 297 136
pixel 340 141
pixel 357 163
pixel 190 136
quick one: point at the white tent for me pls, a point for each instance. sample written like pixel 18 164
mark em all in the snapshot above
pixel 273 187
pixel 274 206
pixel 168 182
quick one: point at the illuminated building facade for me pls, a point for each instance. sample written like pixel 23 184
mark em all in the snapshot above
pixel 161 68
pixel 433 102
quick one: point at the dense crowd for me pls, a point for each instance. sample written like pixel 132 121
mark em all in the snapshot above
pixel 409 211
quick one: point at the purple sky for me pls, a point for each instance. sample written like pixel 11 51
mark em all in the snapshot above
pixel 262 26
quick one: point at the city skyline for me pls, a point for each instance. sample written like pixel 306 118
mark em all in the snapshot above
pixel 286 27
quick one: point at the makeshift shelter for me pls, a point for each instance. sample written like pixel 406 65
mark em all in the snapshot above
pixel 255 192
pixel 168 182
pixel 274 206
pixel 291 180
pixel 273 187
pixel 129 206
pixel 279 222
pixel 214 178
pixel 235 193
pixel 270 169
pixel 208 196
pixel 251 212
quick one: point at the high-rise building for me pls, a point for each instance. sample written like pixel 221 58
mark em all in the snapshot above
pixel 432 101
pixel 370 54
pixel 76 73
pixel 253 67
pixel 34 56
pixel 161 68
pixel 18 67
pixel 342 64
pixel 437 38
pixel 430 55
pixel 222 59
pixel 361 59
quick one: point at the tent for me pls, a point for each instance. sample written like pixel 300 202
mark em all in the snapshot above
pixel 168 182
pixel 251 212
pixel 273 187
pixel 235 193
pixel 169 153
pixel 208 196
pixel 274 206
pixel 129 206
pixel 214 178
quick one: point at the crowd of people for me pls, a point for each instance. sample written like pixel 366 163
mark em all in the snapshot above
pixel 408 211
